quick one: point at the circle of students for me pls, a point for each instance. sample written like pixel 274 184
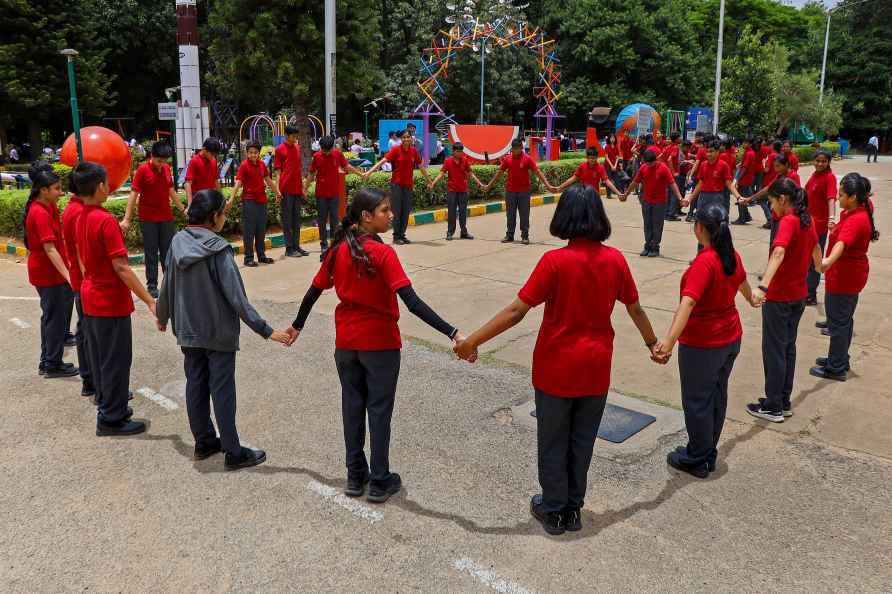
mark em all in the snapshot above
pixel 83 259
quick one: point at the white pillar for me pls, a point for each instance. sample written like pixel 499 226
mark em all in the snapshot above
pixel 330 51
pixel 718 70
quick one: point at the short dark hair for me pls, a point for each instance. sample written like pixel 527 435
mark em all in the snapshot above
pixel 517 142
pixel 411 125
pixel 161 150
pixel 591 152
pixel 326 143
pixel 714 145
pixel 87 176
pixel 253 144
pixel 458 147
pixel 580 214
pixel 289 130
pixel 205 205
pixel 674 136
pixel 649 156
pixel 212 145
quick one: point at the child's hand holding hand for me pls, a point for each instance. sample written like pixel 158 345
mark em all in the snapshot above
pixel 292 334
pixel 281 337
pixel 464 349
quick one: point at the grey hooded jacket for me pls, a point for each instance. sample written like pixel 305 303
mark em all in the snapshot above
pixel 203 294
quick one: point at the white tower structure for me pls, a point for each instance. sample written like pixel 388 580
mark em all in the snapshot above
pixel 192 114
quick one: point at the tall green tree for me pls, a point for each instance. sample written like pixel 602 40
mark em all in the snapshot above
pixel 800 103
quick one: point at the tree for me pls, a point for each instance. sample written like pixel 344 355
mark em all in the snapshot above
pixel 800 104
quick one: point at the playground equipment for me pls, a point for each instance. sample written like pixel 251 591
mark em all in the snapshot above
pixel 488 142
pixel 103 146
pixel 268 131
pixel 503 32
pixel 637 119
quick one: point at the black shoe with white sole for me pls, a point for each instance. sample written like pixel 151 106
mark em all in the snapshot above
pixel 572 519
pixel 787 410
pixel 757 410
pixel 821 324
pixel 552 522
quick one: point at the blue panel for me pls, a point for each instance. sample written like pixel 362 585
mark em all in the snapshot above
pixel 385 127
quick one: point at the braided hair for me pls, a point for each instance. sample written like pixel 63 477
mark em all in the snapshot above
pixel 42 176
pixel 350 232
pixel 797 197
pixel 854 184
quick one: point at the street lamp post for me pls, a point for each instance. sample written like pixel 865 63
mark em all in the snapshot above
pixel 366 113
pixel 71 54
pixel 827 43
pixel 718 70
pixel 330 72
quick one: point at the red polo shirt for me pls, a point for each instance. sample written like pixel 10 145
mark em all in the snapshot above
pixel 252 176
pixel 748 173
pixel 404 161
pixel 153 186
pixel 714 321
pixel 70 217
pixel 670 156
pixel 713 176
pixel 327 169
pixel 287 161
pixel 657 179
pixel 579 284
pixel 612 152
pixel 42 226
pixel 457 174
pixel 794 161
pixel 625 147
pixel 202 173
pixel 518 169
pixel 788 283
pixel 591 175
pixel 848 275
pixel 821 190
pixel 366 317
pixel 730 159
pixel 99 241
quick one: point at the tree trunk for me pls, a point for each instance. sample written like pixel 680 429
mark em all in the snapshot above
pixel 35 140
pixel 303 133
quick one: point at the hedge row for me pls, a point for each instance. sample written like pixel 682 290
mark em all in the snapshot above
pixel 13 201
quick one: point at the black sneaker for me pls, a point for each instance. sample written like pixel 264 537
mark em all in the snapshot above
pixel 821 324
pixel 292 254
pixel 525 241
pixel 302 251
pixel 381 492
pixel 87 389
pixel 572 519
pixel 356 485
pixel 265 260
pixel 673 460
pixel 508 239
pixel 653 254
pixel 821 372
pixel 645 252
pixel 64 370
pixel 739 222
pixel 119 428
pixel 449 237
pixel 206 449
pixel 245 459
pixel 466 235
pixel 689 218
pixel 787 410
pixel 251 264
pixel 406 240
pixel 822 362
pixel 811 301
pixel 41 369
pixel 825 332
pixel 766 226
pixel 756 410
pixel 397 240
pixel 71 339
pixel 552 522
pixel 153 292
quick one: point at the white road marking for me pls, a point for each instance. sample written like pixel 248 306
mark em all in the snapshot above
pixel 354 507
pixel 489 577
pixel 158 399
pixel 10 298
pixel 20 323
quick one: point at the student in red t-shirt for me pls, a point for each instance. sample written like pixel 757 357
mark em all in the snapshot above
pixel 106 297
pixel 626 146
pixel 290 194
pixel 326 170
pixel 254 178
pixel 579 284
pixel 367 277
pixel 591 174
pixel 782 297
pixel 745 179
pixel 404 159
pixel 518 189
pixel 202 173
pixel 612 162
pixel 672 156
pixel 846 268
pixel 713 178
pixel 48 269
pixel 458 168
pixel 658 182
pixel 781 170
pixel 708 327
pixel 821 192
pixel 153 188
pixel 787 149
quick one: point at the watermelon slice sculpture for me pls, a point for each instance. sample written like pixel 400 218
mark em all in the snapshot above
pixel 484 141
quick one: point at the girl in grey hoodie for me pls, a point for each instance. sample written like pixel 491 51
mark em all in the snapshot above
pixel 204 298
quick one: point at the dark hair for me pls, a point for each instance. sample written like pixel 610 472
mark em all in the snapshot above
pixel 611 138
pixel 253 144
pixel 516 143
pixel 649 139
pixel 674 136
pixel 290 129
pixel 326 143
pixel 715 220
pixel 854 184
pixel 822 152
pixel 714 145
pixel 591 152
pixel 783 159
pixel 212 145
pixel 797 197
pixel 42 176
pixel 206 205
pixel 364 200
pixel 649 156
pixel 580 213
pixel 400 133
pixel 757 144
pixel 727 143
pixel 776 146
pixel 411 125
pixel 161 150
pixel 87 176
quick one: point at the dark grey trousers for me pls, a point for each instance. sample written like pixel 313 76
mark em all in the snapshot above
pixel 654 216
pixel 457 204
pixel 110 341
pixel 83 352
pixel 210 375
pixel 401 203
pixel 55 317
pixel 704 397
pixel 743 211
pixel 518 202
pixel 814 277
pixel 156 238
pixel 254 228
pixel 368 389
pixel 841 324
pixel 780 325
pixel 326 213
pixel 290 211
pixel 565 434
pixel 719 198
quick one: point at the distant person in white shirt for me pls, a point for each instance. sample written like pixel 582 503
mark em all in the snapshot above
pixel 392 141
pixel 355 147
pixel 13 154
pixel 314 146
pixel 873 148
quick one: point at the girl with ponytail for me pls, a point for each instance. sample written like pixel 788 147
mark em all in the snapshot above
pixel 782 295
pixel 707 326
pixel 847 269
pixel 48 269
pixel 367 277
pixel 821 192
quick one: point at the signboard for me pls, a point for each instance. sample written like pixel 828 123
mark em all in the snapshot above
pixel 167 111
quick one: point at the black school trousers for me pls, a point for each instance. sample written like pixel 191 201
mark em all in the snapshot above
pixel 110 343
pixel 704 397
pixel 210 376
pixel 654 217
pixel 83 351
pixel 814 277
pixel 290 217
pixel 55 316
pixel 326 215
pixel 518 202
pixel 565 433
pixel 457 207
pixel 780 326
pixel 254 229
pixel 156 238
pixel 401 200
pixel 841 325
pixel 368 391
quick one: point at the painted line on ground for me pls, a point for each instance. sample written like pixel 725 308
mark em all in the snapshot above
pixel 160 400
pixel 10 298
pixel 20 323
pixel 488 577
pixel 354 507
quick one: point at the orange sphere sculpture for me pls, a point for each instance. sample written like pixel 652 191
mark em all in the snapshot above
pixel 102 146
